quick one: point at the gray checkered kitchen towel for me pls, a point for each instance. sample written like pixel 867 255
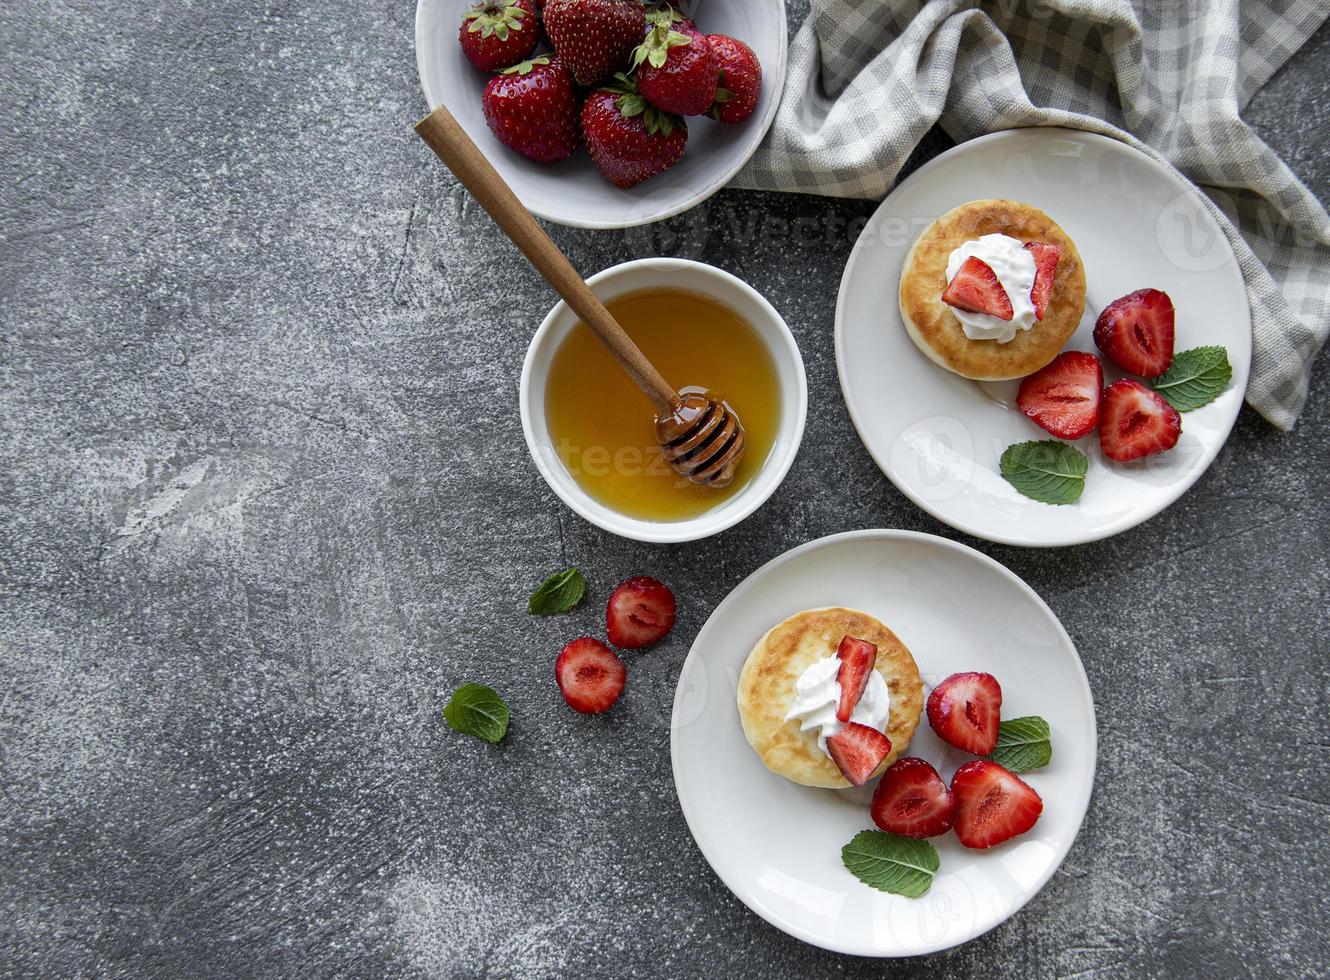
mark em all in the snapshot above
pixel 1169 77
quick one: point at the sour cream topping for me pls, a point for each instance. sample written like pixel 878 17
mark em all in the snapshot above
pixel 1014 265
pixel 817 692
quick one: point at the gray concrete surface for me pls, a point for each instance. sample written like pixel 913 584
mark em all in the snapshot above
pixel 265 503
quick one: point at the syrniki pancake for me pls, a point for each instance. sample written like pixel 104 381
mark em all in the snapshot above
pixel 767 690
pixel 933 325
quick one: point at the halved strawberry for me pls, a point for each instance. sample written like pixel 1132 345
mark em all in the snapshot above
pixel 965 710
pixel 857 658
pixel 857 750
pixel 1045 265
pixel 1136 422
pixel 975 288
pixel 1136 332
pixel 912 800
pixel 1064 397
pixel 590 675
pixel 640 611
pixel 993 804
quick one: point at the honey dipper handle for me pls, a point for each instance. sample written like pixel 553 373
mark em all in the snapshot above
pixel 455 148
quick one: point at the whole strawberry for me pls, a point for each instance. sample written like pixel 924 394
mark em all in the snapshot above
pixel 532 107
pixel 676 69
pixel 499 33
pixel 629 139
pixel 740 79
pixel 595 38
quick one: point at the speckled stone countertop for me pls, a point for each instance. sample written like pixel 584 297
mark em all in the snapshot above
pixel 252 539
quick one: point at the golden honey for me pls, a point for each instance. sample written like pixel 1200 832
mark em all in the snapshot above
pixel 602 426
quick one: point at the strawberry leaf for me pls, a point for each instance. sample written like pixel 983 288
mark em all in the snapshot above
pixel 1195 378
pixel 1023 744
pixel 1049 471
pixel 664 16
pixel 891 863
pixel 631 104
pixel 526 67
pixel 477 710
pixel 558 593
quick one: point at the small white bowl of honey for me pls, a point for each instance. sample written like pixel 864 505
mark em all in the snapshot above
pixel 591 430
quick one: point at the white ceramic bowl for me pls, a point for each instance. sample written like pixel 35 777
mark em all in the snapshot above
pixel 571 192
pixel 631 277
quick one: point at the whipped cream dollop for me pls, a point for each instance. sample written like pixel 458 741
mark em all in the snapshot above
pixel 817 692
pixel 1014 265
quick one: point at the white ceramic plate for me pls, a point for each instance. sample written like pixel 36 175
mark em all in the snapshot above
pixel 937 436
pixel 777 844
pixel 571 192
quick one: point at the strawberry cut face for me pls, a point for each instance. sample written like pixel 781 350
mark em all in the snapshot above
pixel 590 675
pixel 857 658
pixel 912 800
pixel 1136 332
pixel 1045 268
pixel 1064 397
pixel 640 611
pixel 965 710
pixel 857 751
pixel 976 289
pixel 1136 422
pixel 993 804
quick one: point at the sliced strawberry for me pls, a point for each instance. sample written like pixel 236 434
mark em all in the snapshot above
pixel 912 800
pixel 640 611
pixel 1064 397
pixel 1136 422
pixel 857 658
pixel 1136 332
pixel 965 710
pixel 992 804
pixel 975 288
pixel 857 751
pixel 590 675
pixel 1045 265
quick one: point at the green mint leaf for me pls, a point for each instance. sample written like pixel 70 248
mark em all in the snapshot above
pixel 558 593
pixel 1195 378
pixel 477 710
pixel 891 863
pixel 1049 471
pixel 1023 744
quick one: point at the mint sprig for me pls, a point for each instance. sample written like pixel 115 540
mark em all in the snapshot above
pixel 558 593
pixel 1023 744
pixel 475 709
pixel 1195 378
pixel 891 863
pixel 1049 471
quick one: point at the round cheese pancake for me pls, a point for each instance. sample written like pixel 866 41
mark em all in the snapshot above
pixel 767 690
pixel 932 324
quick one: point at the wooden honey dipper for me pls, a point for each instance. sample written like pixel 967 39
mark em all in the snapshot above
pixel 700 436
